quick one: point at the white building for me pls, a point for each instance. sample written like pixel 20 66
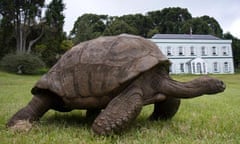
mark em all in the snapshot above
pixel 196 54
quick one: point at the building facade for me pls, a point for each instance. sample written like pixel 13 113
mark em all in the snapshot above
pixel 196 54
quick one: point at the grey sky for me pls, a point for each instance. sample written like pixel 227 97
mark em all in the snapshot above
pixel 226 12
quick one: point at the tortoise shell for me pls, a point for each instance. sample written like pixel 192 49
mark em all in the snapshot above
pixel 97 67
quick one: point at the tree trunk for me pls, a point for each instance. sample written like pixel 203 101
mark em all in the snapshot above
pixel 24 31
pixel 17 33
pixel 21 40
pixel 32 42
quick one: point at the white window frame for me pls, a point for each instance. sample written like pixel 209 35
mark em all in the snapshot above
pixel 203 51
pixel 226 67
pixel 169 51
pixel 224 50
pixel 214 51
pixel 192 51
pixel 180 51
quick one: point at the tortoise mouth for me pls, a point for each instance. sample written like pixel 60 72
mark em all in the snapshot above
pixel 221 86
pixel 214 85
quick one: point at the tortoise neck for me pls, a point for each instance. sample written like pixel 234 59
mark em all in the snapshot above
pixel 194 88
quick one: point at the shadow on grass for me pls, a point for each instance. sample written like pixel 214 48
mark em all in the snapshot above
pixel 77 120
pixel 70 119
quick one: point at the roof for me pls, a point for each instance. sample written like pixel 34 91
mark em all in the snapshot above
pixel 185 36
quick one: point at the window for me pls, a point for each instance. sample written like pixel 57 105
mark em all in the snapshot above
pixel 204 68
pixel 224 50
pixel 215 67
pixel 193 66
pixel 182 67
pixel 180 51
pixel 214 51
pixel 192 50
pixel 203 51
pixel 169 51
pixel 226 67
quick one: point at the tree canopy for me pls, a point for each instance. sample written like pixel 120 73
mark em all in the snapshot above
pixel 23 16
pixel 235 48
pixel 25 29
pixel 174 20
pixel 88 26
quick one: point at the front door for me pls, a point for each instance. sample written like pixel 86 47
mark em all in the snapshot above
pixel 199 68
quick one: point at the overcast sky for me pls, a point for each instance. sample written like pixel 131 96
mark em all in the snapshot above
pixel 226 12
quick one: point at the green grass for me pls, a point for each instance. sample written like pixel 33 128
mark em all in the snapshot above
pixel 207 119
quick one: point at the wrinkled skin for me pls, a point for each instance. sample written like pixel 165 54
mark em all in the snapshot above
pixel 113 111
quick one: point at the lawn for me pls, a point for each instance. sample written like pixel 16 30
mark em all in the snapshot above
pixel 207 119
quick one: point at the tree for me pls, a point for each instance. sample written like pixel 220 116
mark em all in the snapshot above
pixel 202 25
pixel 88 26
pixel 235 48
pixel 7 40
pixel 50 46
pixel 141 23
pixel 152 32
pixel 54 15
pixel 169 20
pixel 195 26
pixel 23 15
pixel 213 25
pixel 119 26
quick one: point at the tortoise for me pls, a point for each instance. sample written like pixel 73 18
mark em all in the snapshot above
pixel 112 77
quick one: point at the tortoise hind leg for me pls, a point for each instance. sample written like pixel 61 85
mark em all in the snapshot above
pixel 30 113
pixel 166 109
pixel 119 112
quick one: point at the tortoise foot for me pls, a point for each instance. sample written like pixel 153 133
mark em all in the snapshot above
pixel 21 126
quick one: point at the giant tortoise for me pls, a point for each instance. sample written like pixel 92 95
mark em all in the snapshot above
pixel 113 78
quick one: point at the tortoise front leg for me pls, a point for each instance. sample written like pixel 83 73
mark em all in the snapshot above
pixel 165 109
pixel 32 112
pixel 119 113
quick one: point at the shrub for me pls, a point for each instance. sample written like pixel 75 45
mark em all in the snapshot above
pixel 22 63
